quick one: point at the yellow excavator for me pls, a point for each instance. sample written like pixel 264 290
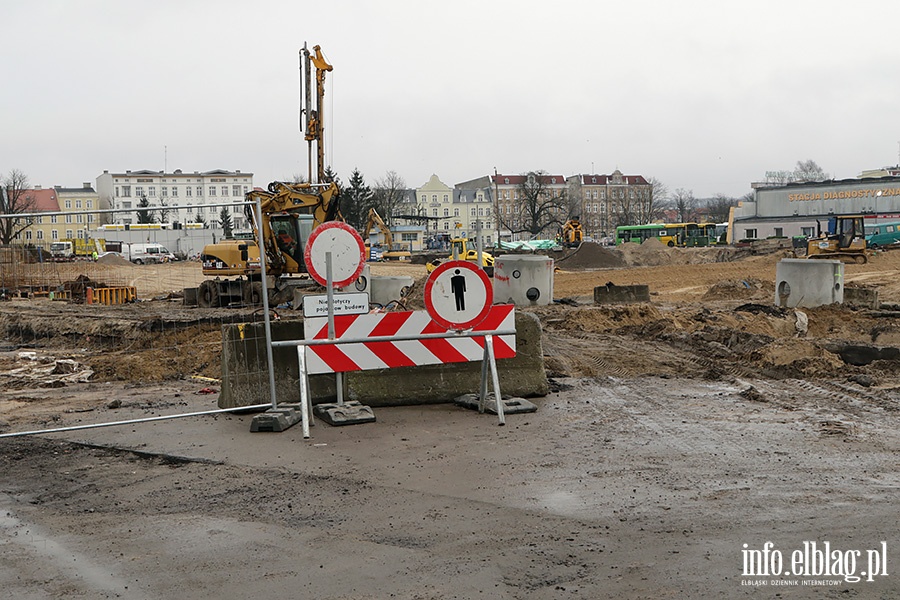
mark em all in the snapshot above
pixel 290 211
pixel 462 248
pixel 374 221
pixel 844 240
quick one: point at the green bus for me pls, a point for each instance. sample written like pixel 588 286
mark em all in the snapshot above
pixel 670 234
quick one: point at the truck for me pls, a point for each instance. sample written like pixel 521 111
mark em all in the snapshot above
pixel 148 253
pixel 289 211
pixel 70 248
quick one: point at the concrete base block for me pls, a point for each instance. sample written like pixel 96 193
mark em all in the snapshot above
pixel 190 297
pixel 863 297
pixel 511 406
pixel 276 419
pixel 621 294
pixel 348 413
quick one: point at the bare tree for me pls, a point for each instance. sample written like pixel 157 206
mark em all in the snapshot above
pixel 650 206
pixel 684 203
pixel 164 210
pixel 388 195
pixel 808 170
pixel 719 206
pixel 538 207
pixel 15 199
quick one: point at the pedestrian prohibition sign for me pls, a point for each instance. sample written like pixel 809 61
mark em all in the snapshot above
pixel 458 295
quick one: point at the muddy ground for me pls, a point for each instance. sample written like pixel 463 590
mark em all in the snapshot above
pixel 677 432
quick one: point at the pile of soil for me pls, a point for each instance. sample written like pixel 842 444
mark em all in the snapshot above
pixel 114 260
pixel 591 256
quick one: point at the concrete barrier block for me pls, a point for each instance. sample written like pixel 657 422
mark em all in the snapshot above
pixel 621 294
pixel 245 377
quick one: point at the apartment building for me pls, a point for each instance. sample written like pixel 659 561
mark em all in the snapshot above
pixel 455 211
pixel 181 197
pixel 601 200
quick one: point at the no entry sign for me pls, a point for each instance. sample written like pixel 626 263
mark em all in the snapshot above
pixel 458 295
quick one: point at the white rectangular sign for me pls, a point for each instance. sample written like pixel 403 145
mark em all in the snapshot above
pixel 344 304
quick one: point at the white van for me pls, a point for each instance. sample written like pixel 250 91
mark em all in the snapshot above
pixel 141 254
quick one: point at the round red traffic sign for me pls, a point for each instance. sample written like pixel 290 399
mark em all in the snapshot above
pixel 348 254
pixel 458 295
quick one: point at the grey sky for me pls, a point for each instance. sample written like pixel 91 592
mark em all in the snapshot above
pixel 702 95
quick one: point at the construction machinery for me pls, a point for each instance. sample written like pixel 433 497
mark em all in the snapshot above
pixel 288 212
pixel 572 233
pixel 374 220
pixel 462 248
pixel 844 240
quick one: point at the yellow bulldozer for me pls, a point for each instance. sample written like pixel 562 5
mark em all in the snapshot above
pixel 844 240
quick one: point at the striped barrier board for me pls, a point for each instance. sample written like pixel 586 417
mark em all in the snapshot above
pixel 360 355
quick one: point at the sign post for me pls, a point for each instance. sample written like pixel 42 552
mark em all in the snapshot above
pixel 458 296
pixel 335 255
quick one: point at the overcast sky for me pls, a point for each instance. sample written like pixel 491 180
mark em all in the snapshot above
pixel 703 95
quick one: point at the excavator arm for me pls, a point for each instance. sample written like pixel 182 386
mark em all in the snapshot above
pixel 281 203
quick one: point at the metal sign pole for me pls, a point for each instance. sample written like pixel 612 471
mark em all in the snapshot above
pixel 265 301
pixel 329 290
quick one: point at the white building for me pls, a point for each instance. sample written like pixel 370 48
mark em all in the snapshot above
pixel 188 196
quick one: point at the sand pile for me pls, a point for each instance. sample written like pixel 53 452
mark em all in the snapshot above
pixel 591 256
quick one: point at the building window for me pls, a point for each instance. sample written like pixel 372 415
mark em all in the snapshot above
pixel 235 190
pixel 151 191
pixel 79 218
pixel 69 234
pixel 455 212
pixel 224 190
pixel 40 234
pixel 28 234
pixel 54 234
pixel 139 191
pixel 68 204
pixel 446 226
pixel 808 231
pixel 117 191
pixel 473 211
pixel 779 232
pixel 126 191
pixel 433 212
pixel 68 218
pixel 212 191
pixel 188 191
pixel 78 204
pixel 446 212
pixel 750 234
pixel 409 237
pixel 199 191
pixel 174 192
pixel 90 204
pixel 446 198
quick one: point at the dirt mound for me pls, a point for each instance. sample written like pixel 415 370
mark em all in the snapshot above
pixel 113 259
pixel 591 256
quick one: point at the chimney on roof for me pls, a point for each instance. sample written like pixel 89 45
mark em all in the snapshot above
pixel 86 185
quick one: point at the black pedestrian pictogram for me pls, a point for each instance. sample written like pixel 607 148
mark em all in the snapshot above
pixel 458 287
